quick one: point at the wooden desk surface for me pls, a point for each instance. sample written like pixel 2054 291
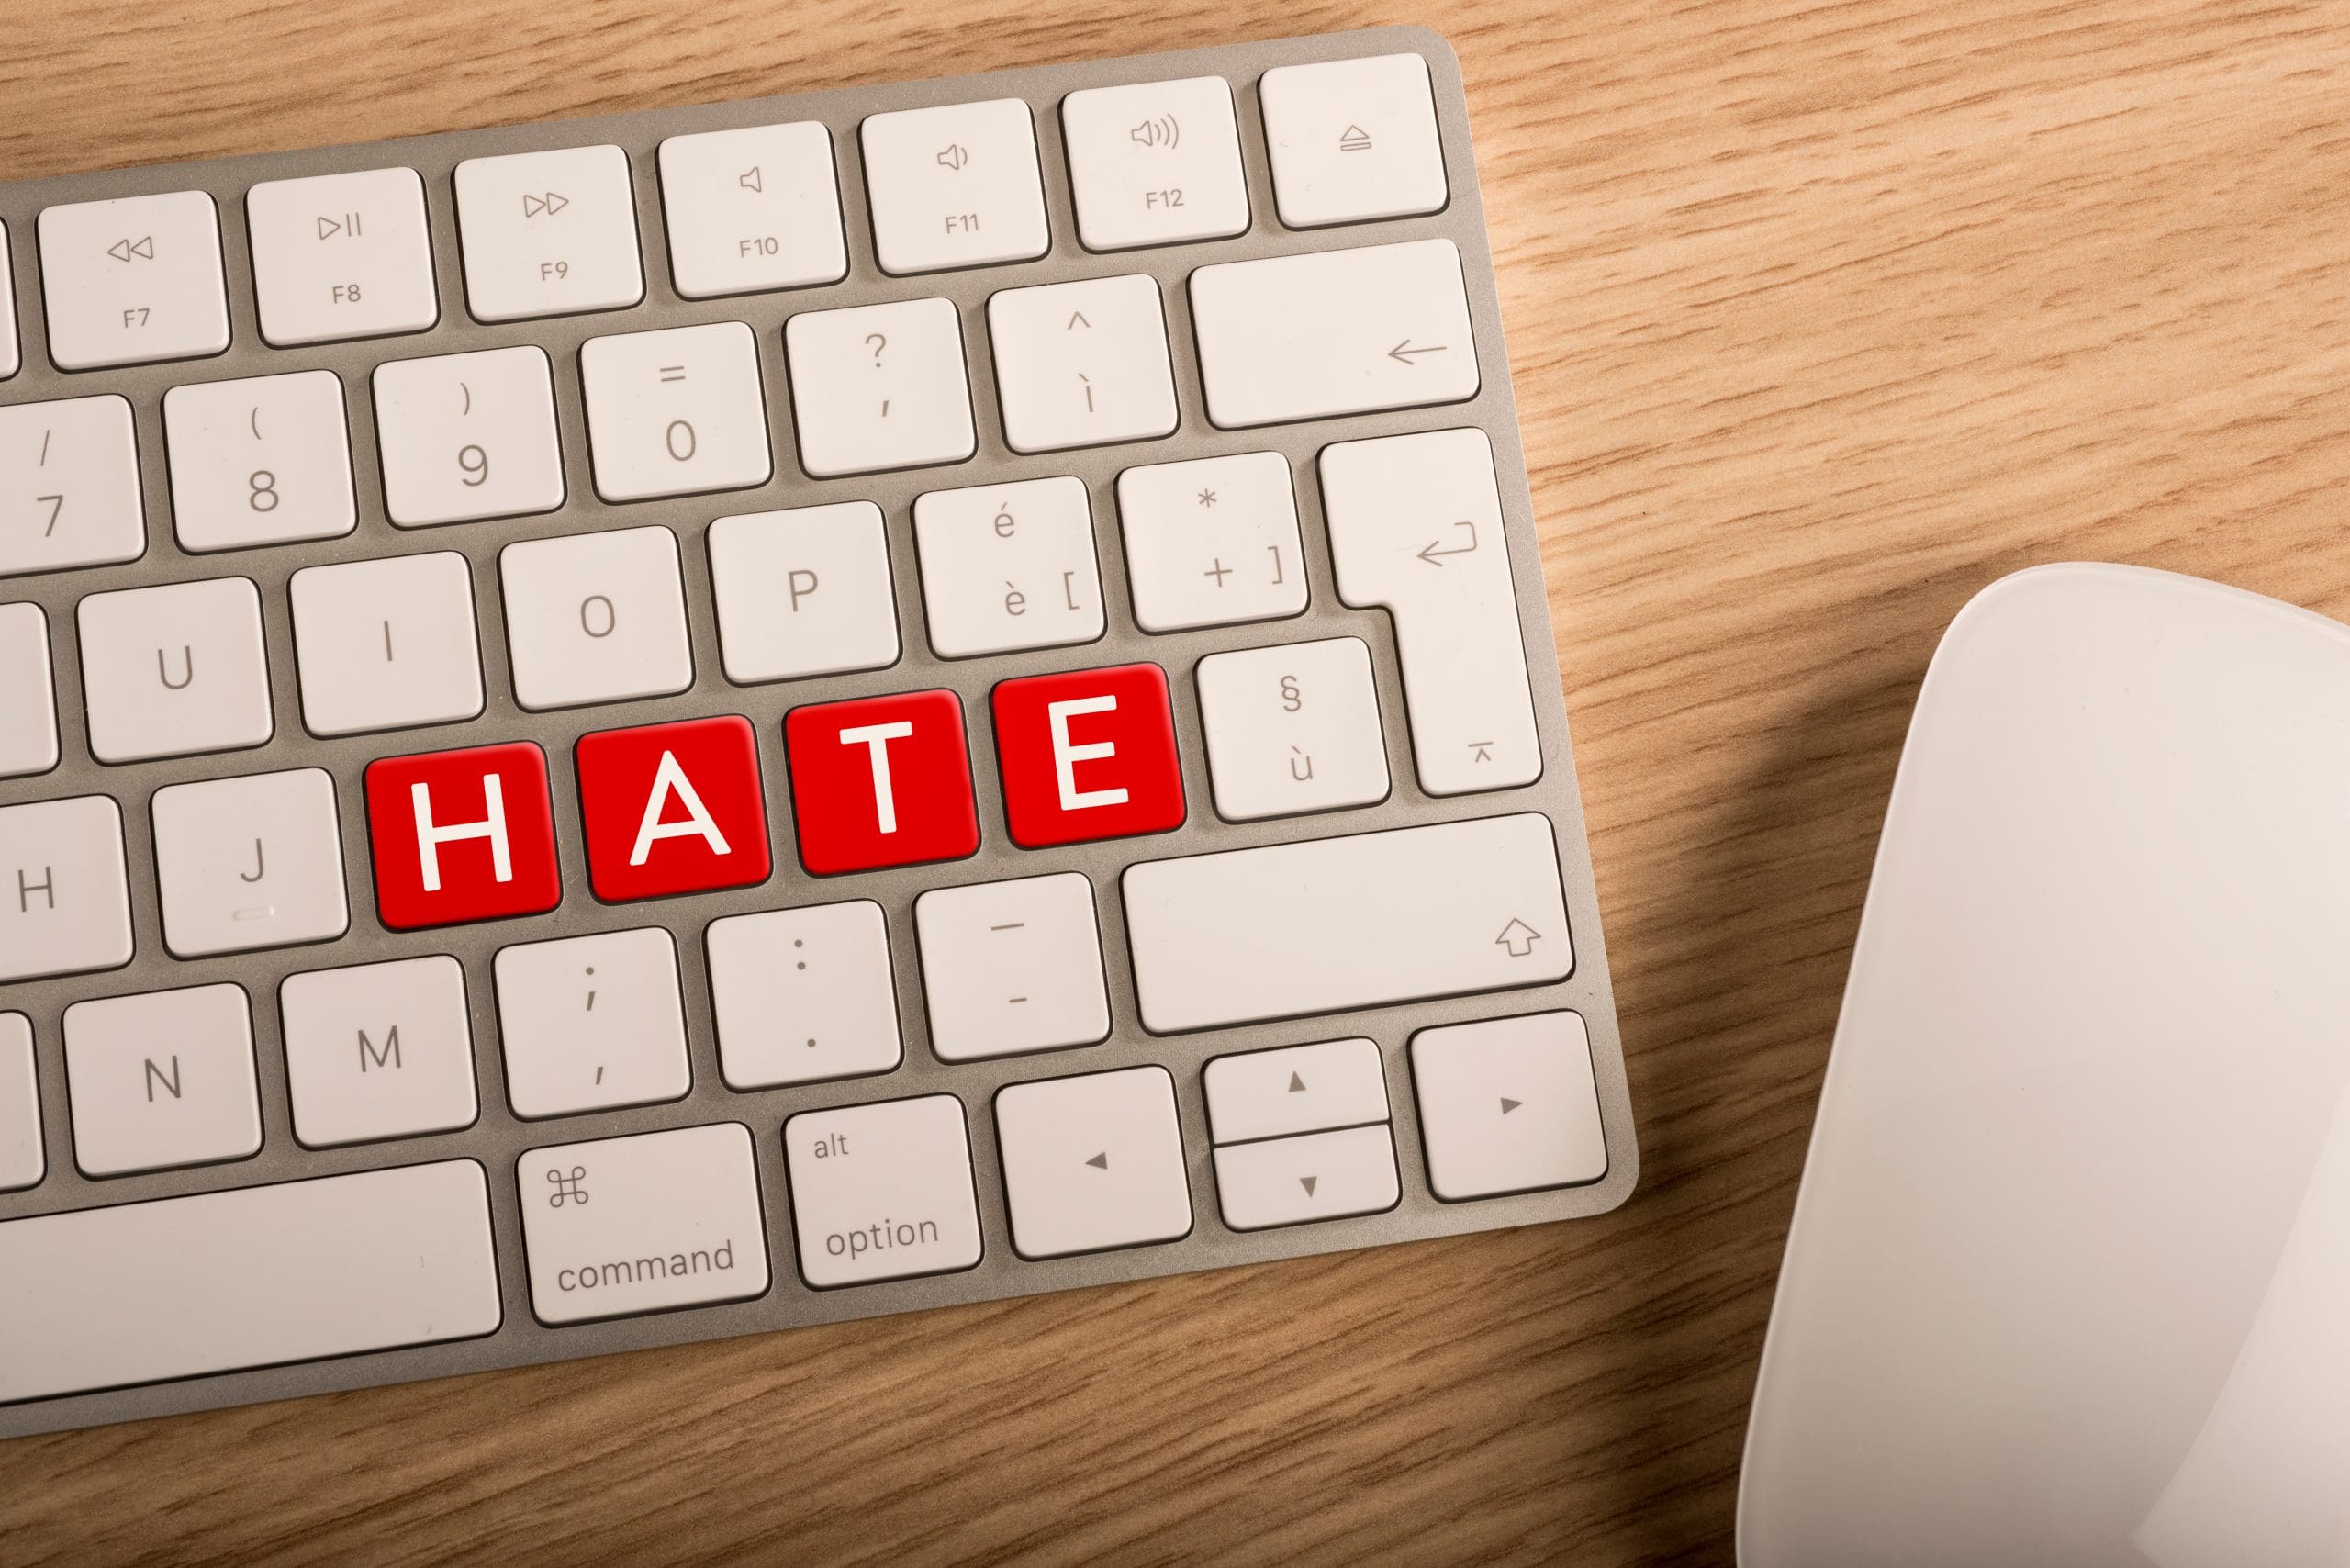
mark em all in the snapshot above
pixel 1823 315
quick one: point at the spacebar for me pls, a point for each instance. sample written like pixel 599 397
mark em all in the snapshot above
pixel 179 1287
pixel 1330 924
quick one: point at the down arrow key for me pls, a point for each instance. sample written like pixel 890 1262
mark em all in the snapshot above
pixel 1307 1179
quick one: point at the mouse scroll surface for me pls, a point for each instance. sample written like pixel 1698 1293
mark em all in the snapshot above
pixel 2069 1277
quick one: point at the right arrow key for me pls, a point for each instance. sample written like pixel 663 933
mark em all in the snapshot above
pixel 1508 1105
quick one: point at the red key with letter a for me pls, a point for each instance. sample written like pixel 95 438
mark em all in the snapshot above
pixel 882 781
pixel 673 809
pixel 462 835
pixel 1088 754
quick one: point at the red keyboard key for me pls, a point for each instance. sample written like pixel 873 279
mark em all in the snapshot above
pixel 1088 753
pixel 462 835
pixel 673 809
pixel 882 781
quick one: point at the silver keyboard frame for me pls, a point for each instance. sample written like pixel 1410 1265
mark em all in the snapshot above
pixel 498 1138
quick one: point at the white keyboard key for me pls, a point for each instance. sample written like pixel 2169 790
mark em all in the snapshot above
pixel 69 486
pixel 1297 1089
pixel 1155 163
pixel 596 618
pixel 257 1276
pixel 1331 332
pixel 1212 541
pixel 1081 364
pixel 339 256
pixel 1416 526
pixel 27 708
pixel 882 1192
pixel 1094 1162
pixel 1331 924
pixel 22 1164
pixel 252 862
pixel 379 1051
pixel 1296 1181
pixel 1007 567
pixel 803 994
pixel 954 187
pixel 548 233
pixel 7 311
pixel 174 670
pixel 803 592
pixel 133 281
pixel 1353 139
pixel 162 1080
pixel 752 209
pixel 64 896
pixel 468 435
pixel 1293 729
pixel 1012 967
pixel 879 386
pixel 676 412
pixel 592 1022
pixel 387 645
pixel 643 1223
pixel 1508 1106
pixel 264 461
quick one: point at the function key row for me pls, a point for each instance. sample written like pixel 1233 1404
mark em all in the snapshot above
pixel 140 279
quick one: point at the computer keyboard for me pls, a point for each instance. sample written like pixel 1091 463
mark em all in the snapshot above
pixel 639 729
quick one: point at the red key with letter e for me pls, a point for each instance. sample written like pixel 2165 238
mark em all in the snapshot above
pixel 673 809
pixel 462 835
pixel 1090 753
pixel 882 781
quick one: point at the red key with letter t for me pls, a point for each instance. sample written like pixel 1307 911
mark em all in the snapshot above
pixel 882 781
pixel 1088 753
pixel 462 835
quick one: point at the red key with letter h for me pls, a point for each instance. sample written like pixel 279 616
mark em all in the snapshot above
pixel 462 835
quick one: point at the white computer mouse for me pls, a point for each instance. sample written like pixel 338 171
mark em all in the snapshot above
pixel 2069 1277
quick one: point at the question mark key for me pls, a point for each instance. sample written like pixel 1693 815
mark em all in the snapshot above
pixel 853 419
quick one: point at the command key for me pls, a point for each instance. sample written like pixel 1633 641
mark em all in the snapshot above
pixel 646 1223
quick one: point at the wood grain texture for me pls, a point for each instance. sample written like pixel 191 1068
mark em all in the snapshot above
pixel 1824 313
